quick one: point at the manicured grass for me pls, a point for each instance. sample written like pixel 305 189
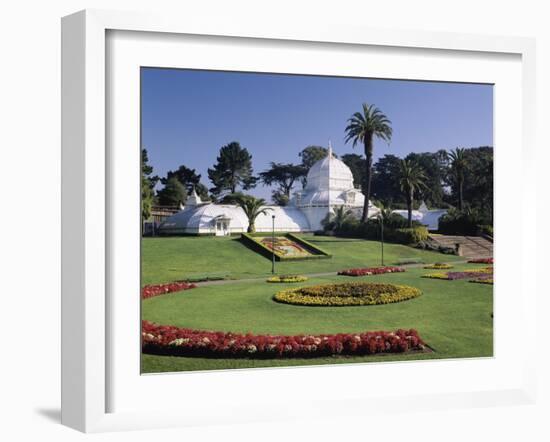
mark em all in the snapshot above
pixel 453 317
pixel 174 258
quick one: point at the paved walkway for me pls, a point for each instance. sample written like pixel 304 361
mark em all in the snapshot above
pixel 309 275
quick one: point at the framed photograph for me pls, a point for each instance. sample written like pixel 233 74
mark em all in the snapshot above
pixel 272 220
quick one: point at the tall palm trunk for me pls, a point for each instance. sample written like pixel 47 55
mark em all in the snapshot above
pixel 409 208
pixel 368 176
pixel 251 227
pixel 460 196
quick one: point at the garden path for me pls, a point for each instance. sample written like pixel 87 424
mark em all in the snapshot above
pixel 309 275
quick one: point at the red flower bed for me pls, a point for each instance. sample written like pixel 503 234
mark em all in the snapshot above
pixel 175 341
pixel 160 289
pixel 481 261
pixel 371 271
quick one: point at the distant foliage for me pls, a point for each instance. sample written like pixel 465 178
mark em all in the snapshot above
pixel 464 222
pixel 283 176
pixel 147 185
pixel 173 193
pixel 190 179
pixel 233 169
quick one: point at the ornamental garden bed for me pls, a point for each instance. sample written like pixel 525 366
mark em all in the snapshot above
pixel 439 266
pixel 347 294
pixel 367 271
pixel 287 247
pixel 175 341
pixel 287 278
pixel 150 291
pixel 485 273
pixel 481 261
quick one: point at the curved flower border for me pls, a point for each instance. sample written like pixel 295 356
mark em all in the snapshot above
pixel 368 271
pixel 149 291
pixel 175 341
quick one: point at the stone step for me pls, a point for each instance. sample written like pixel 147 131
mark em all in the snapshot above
pixel 472 246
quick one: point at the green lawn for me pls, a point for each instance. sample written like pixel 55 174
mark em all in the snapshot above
pixel 453 317
pixel 169 259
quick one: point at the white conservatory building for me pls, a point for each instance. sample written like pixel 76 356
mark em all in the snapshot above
pixel 329 185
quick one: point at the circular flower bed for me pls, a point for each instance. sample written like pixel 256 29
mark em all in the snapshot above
pixel 175 341
pixel 439 266
pixel 347 294
pixel 287 278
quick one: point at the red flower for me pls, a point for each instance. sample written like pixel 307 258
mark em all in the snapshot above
pixel 370 271
pixel 169 340
pixel 160 289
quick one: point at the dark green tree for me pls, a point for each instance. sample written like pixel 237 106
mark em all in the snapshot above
pixel 356 163
pixel 284 177
pixel 435 165
pixel 459 165
pixel 411 178
pixel 385 187
pixel 173 193
pixel 310 155
pixel 147 184
pixel 362 128
pixel 233 169
pixel 189 178
pixel 478 180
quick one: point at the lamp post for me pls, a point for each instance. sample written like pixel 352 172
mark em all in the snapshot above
pixel 382 235
pixel 273 245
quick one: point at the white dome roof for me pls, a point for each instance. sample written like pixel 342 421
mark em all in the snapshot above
pixel 329 174
pixel 202 219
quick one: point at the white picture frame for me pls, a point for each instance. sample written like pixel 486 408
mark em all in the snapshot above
pixel 87 210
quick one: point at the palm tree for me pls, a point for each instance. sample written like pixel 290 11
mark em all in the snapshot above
pixel 459 164
pixel 362 128
pixel 335 221
pixel 411 179
pixel 252 208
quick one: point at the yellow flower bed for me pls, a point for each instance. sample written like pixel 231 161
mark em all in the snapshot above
pixel 483 281
pixel 439 266
pixel 287 278
pixel 348 294
pixel 436 276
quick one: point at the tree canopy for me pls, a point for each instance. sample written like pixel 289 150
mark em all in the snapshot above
pixel 362 128
pixel 189 178
pixel 173 193
pixel 284 175
pixel 233 169
pixel 147 184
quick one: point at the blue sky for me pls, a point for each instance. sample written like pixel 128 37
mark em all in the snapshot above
pixel 188 115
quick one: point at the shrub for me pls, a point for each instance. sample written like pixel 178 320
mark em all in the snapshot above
pixel 465 222
pixel 287 278
pixel 347 294
pixel 396 231
pixel 367 271
pixel 175 341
